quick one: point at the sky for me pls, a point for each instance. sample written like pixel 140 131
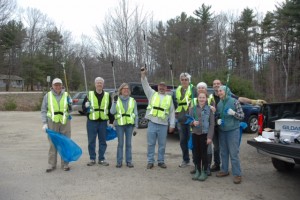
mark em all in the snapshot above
pixel 81 16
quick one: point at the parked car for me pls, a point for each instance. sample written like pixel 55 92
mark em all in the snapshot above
pixel 78 99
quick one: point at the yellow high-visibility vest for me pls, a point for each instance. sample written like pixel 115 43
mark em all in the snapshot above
pixel 123 117
pixel 159 109
pixel 95 111
pixel 58 111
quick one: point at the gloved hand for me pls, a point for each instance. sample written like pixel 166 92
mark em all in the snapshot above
pixel 69 100
pixel 116 98
pixel 45 126
pixel 258 102
pixel 220 122
pixel 134 132
pixel 111 126
pixel 87 104
pixel 230 112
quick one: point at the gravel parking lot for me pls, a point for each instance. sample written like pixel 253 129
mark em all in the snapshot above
pixel 24 149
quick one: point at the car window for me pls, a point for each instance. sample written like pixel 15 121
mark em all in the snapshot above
pixel 138 90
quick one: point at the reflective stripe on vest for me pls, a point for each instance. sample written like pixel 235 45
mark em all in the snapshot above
pixel 183 103
pixel 210 99
pixel 95 111
pixel 58 111
pixel 122 116
pixel 159 109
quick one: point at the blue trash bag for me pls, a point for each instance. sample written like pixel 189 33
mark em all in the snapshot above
pixel 243 125
pixel 190 143
pixel 67 148
pixel 110 133
pixel 189 119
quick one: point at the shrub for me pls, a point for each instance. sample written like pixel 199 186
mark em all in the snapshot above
pixel 10 104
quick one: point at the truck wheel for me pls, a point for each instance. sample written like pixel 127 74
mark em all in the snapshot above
pixel 282 165
pixel 252 124
pixel 143 122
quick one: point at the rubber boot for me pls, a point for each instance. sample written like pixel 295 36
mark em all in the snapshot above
pixel 203 175
pixel 197 174
pixel 209 158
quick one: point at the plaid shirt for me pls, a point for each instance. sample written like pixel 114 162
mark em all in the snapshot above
pixel 239 114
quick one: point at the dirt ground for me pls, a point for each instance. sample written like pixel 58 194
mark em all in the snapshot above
pixel 23 155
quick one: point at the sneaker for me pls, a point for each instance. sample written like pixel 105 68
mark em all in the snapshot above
pixel 50 168
pixel 215 168
pixel 130 165
pixel 162 165
pixel 103 163
pixel 150 166
pixel 184 164
pixel 119 165
pixel 237 179
pixel 222 174
pixel 66 168
pixel 91 163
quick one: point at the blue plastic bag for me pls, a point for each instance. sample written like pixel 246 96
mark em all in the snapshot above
pixel 243 125
pixel 67 148
pixel 190 143
pixel 110 133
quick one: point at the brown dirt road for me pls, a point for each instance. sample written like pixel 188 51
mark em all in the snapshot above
pixel 23 155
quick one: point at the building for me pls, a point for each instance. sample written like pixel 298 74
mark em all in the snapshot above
pixel 16 82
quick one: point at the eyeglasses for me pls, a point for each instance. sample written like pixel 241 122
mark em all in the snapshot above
pixel 184 79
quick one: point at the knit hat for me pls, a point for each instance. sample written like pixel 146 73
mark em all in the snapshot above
pixel 224 88
pixel 202 84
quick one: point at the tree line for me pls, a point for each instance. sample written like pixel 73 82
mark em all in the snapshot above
pixel 258 52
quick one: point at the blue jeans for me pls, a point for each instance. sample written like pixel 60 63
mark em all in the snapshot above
pixel 229 146
pixel 184 135
pixel 127 130
pixel 156 132
pixel 94 129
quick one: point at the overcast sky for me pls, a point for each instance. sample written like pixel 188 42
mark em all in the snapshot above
pixel 81 16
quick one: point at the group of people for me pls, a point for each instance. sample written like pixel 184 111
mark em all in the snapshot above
pixel 207 119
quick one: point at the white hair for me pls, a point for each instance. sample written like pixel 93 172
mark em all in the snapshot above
pixel 202 84
pixel 185 75
pixel 99 79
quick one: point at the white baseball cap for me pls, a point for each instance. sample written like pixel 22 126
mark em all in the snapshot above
pixel 56 80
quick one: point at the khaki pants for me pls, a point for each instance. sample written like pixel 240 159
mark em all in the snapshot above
pixel 64 129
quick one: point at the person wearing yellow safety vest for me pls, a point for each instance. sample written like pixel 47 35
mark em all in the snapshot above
pixel 160 112
pixel 183 96
pixel 97 105
pixel 124 109
pixel 55 111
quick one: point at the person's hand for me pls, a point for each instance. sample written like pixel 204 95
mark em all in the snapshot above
pixel 213 109
pixel 110 125
pixel 258 102
pixel 220 122
pixel 134 132
pixel 87 104
pixel 143 72
pixel 45 126
pixel 230 112
pixel 171 130
pixel 116 98
pixel 196 123
pixel 208 141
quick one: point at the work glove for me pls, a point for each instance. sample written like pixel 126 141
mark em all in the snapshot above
pixel 87 104
pixel 258 102
pixel 134 132
pixel 45 126
pixel 111 126
pixel 116 98
pixel 220 122
pixel 230 111
pixel 69 101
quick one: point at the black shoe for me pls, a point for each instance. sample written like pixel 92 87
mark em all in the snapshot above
pixel 215 168
pixel 91 163
pixel 150 166
pixel 162 165
pixel 103 163
pixel 50 169
pixel 119 165
pixel 130 165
